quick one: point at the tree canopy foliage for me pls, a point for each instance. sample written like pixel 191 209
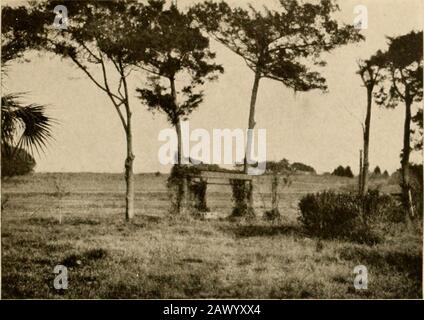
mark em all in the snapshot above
pixel 24 128
pixel 404 64
pixel 21 30
pixel 176 49
pixel 276 44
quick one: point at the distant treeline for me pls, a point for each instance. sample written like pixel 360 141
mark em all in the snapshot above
pixel 284 166
pixel 347 172
pixel 343 172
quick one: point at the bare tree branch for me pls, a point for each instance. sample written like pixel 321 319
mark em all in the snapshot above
pixel 111 95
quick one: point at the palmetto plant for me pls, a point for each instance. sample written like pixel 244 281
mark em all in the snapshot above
pixel 23 126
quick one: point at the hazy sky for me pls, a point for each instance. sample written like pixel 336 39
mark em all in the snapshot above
pixel 313 128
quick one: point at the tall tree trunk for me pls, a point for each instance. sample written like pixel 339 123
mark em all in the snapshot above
pixel 252 122
pixel 177 122
pixel 361 171
pixel 365 171
pixel 406 188
pixel 183 186
pixel 179 152
pixel 129 174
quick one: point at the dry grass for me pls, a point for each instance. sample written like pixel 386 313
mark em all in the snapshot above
pixel 162 257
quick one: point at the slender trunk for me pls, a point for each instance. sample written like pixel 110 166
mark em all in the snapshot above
pixel 179 152
pixel 406 188
pixel 129 174
pixel 360 173
pixel 183 186
pixel 177 123
pixel 365 174
pixel 252 123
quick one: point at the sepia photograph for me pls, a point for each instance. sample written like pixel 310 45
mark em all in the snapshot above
pixel 212 150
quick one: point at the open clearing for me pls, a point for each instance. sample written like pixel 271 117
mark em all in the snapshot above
pixel 159 256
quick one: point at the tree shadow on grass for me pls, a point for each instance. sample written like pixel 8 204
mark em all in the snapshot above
pixel 75 260
pixel 138 222
pixel 82 221
pixel 262 230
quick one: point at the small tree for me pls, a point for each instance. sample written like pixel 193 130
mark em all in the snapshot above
pixel 177 49
pixel 405 68
pixel 98 40
pixel 377 171
pixel 371 75
pixel 275 45
pixel 339 171
pixel 386 174
pixel 348 172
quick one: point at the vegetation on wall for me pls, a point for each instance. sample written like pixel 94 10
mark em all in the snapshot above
pixel 242 192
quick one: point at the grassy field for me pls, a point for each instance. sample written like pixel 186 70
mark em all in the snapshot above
pixel 78 220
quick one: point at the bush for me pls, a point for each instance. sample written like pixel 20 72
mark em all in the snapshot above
pixel 346 216
pixel 416 183
pixel 16 163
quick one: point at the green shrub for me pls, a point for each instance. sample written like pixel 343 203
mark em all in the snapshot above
pixel 347 215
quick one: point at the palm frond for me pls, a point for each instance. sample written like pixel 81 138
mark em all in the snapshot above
pixel 26 127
